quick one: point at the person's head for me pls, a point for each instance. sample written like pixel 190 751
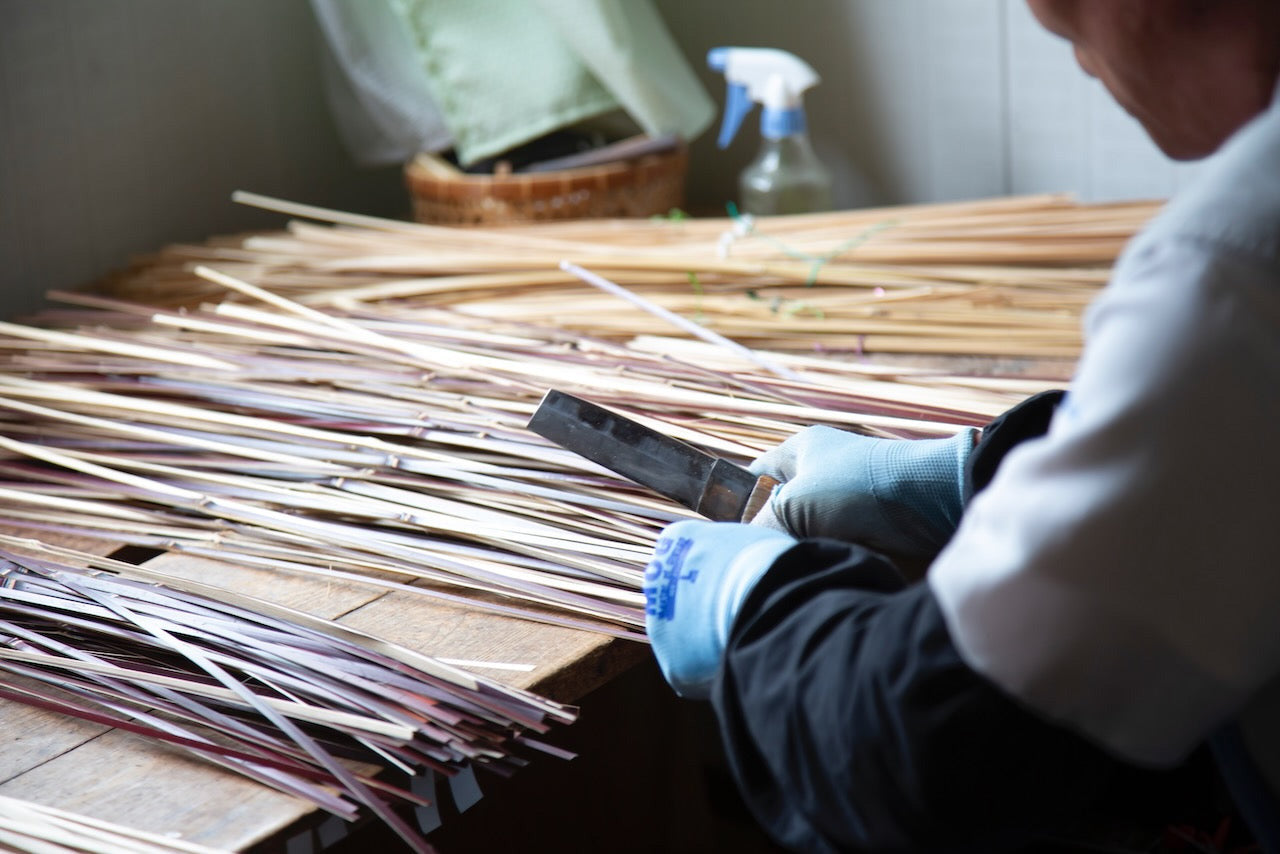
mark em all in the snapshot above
pixel 1191 71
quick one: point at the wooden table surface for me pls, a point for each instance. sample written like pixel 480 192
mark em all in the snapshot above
pixel 116 776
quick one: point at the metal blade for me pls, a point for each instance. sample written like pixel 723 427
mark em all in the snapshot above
pixel 707 484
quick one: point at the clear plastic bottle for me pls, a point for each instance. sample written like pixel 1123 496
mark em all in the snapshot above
pixel 785 177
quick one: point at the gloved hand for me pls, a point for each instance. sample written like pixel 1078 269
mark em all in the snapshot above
pixel 901 496
pixel 699 576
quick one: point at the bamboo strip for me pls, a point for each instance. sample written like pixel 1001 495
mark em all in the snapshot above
pixel 987 255
pixel 96 611
pixel 561 540
pixel 291 708
pixel 31 827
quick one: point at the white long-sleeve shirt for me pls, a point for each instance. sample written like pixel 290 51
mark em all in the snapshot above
pixel 1121 574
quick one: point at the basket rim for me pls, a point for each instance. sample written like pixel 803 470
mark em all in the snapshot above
pixel 417 172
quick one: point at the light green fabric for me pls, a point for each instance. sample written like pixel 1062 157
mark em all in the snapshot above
pixel 504 72
pixel 380 100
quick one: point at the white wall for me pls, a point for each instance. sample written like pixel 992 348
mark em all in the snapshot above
pixel 126 124
pixel 932 100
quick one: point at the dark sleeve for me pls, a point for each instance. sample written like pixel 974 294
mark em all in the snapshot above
pixel 851 722
pixel 1027 420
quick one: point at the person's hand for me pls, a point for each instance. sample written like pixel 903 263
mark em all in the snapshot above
pixel 901 496
pixel 699 576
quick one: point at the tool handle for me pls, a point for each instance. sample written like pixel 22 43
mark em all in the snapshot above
pixel 759 497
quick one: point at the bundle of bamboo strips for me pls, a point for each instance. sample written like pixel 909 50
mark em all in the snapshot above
pixel 997 277
pixel 26 826
pixel 365 444
pixel 281 697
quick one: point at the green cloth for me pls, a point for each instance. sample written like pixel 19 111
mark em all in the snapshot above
pixel 504 72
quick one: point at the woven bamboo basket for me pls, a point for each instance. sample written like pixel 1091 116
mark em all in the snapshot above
pixel 646 186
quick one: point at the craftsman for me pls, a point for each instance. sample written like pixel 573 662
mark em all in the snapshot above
pixel 1102 592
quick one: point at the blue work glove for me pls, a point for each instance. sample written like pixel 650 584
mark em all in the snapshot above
pixel 900 496
pixel 699 576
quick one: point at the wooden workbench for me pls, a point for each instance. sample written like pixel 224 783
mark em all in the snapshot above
pixel 113 775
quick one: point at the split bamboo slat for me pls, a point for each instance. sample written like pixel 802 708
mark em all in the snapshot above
pixel 1001 277
pixel 25 826
pixel 185 664
pixel 348 401
pixel 397 448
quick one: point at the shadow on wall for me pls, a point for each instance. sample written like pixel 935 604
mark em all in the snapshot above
pixel 126 126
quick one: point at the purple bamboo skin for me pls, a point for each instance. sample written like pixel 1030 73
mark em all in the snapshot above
pixel 121 650
pixel 413 431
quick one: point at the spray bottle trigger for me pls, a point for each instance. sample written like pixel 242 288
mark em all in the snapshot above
pixel 738 105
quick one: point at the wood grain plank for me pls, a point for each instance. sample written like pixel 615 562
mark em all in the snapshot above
pixel 567 663
pixel 125 779
pixel 35 736
pixel 321 597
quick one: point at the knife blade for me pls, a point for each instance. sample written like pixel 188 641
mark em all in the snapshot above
pixel 705 483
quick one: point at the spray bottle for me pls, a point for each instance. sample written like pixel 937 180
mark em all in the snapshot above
pixel 786 176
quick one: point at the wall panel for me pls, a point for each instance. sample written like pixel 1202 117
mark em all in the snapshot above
pixel 126 125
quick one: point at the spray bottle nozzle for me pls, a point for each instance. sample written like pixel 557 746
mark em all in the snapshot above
pixel 774 78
